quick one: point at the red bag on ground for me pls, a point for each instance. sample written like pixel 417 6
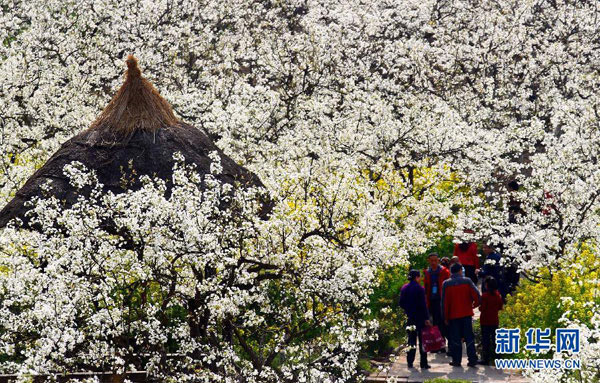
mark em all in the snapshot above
pixel 432 339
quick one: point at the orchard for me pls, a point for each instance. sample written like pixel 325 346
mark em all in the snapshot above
pixel 296 158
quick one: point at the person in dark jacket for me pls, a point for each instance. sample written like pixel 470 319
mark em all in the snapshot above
pixel 511 276
pixel 492 268
pixel 412 301
pixel 459 297
pixel 491 303
pixel 434 277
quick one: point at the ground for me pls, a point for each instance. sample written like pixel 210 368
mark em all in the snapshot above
pixel 441 369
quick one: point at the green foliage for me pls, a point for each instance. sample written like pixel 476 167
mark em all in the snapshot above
pixel 444 248
pixel 477 331
pixel 384 306
pixel 365 365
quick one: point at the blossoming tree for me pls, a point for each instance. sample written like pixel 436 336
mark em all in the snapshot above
pixel 374 127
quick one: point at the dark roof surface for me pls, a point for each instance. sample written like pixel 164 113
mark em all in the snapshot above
pixel 121 155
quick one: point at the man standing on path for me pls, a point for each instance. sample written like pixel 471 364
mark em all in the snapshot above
pixel 412 300
pixel 435 275
pixel 459 297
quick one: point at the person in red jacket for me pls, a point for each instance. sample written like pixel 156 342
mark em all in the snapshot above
pixel 491 303
pixel 467 256
pixel 459 297
pixel 435 276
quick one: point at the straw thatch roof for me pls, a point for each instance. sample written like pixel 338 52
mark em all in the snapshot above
pixel 136 134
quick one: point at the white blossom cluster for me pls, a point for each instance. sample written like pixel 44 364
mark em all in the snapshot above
pixel 183 288
pixel 589 335
pixel 376 127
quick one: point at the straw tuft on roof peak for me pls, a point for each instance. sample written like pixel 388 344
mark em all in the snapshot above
pixel 132 67
pixel 136 106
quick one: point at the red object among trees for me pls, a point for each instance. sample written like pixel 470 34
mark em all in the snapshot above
pixel 467 254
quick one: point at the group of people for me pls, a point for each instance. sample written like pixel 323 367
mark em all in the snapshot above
pixel 447 299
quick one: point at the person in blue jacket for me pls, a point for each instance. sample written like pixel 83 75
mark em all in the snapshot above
pixel 412 301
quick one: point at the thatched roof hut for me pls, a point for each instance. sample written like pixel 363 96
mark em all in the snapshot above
pixel 136 134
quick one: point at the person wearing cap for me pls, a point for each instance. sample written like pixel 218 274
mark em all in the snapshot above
pixel 412 301
pixel 459 297
pixel 434 276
